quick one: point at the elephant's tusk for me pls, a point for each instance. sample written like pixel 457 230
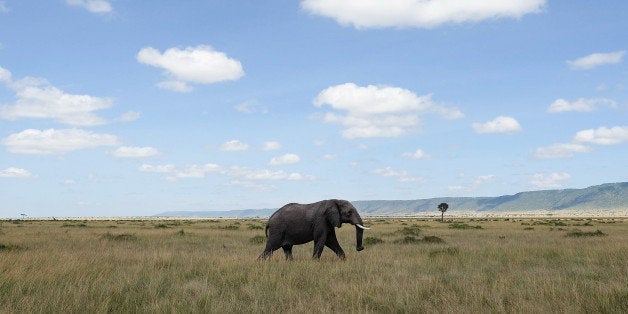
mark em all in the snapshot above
pixel 362 227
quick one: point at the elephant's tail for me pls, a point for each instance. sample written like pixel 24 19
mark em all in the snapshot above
pixel 266 231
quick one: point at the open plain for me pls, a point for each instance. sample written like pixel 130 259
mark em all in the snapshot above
pixel 575 265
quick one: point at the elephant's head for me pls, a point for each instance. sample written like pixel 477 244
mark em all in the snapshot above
pixel 341 211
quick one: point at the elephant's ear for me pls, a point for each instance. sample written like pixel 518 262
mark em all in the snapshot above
pixel 332 212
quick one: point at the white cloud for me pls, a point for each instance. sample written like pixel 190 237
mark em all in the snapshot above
pixel 498 125
pixel 94 6
pixel 13 172
pixel 200 64
pixel 401 175
pixel 603 135
pixel 250 107
pixel 561 150
pixel 53 141
pixel 599 136
pixel 418 154
pixel 5 75
pixel 234 145
pixel 175 86
pixel 271 145
pixel 135 152
pixel 582 104
pixel 264 174
pixel 596 59
pixel 129 116
pixel 418 13
pixel 374 111
pixel 286 159
pixel 244 176
pixel 477 182
pixel 3 7
pixel 549 180
pixel 173 173
pixel 448 113
pixel 37 99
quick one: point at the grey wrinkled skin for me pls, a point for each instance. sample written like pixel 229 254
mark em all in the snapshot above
pixel 295 224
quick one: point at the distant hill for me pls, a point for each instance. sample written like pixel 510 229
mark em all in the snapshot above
pixel 609 196
pixel 605 196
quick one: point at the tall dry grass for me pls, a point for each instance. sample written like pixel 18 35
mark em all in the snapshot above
pixel 210 266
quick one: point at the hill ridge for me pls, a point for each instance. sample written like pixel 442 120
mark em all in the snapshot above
pixel 607 196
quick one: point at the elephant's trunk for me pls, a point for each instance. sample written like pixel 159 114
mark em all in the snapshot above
pixel 358 238
pixel 359 231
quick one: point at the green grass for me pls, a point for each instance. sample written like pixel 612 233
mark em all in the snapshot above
pixel 211 266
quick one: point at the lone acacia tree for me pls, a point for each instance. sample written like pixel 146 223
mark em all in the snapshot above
pixel 443 208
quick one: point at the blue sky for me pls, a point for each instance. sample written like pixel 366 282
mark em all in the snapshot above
pixel 131 108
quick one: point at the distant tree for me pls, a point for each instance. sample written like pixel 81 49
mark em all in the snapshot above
pixel 443 208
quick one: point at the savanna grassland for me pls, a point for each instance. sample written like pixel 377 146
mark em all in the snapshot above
pixel 408 265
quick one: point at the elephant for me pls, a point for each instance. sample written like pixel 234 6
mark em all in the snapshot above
pixel 295 224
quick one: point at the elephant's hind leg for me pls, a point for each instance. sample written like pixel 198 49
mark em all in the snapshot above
pixel 287 250
pixel 273 242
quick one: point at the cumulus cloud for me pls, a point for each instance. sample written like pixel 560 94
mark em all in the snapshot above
pixel 58 142
pixel 200 64
pixel 173 173
pixel 552 180
pixel 250 107
pixel 13 172
pixel 271 145
pixel 3 7
pixel 474 184
pixel 418 154
pixel 36 98
pixel 596 59
pixel 500 124
pixel 240 175
pixel 581 104
pixel 561 150
pixel 129 116
pixel 603 135
pixel 286 159
pixel 418 13
pixel 400 174
pixel 5 75
pixel 94 6
pixel 374 111
pixel 581 141
pixel 135 152
pixel 233 145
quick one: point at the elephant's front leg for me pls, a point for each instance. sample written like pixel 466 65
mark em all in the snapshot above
pixel 320 237
pixel 332 243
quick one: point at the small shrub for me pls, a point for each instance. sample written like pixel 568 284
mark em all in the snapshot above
pixel 9 247
pixel 579 233
pixel 180 233
pixel 415 240
pixel 408 240
pixel 69 225
pixel 413 230
pixel 258 239
pixel 255 227
pixel 528 228
pixel 161 226
pixel 464 226
pixel 119 237
pixel 372 240
pixel 231 227
pixel 433 239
